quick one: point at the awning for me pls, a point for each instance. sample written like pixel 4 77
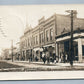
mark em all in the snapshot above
pixel 68 37
pixel 53 45
pixel 36 49
pixel 41 49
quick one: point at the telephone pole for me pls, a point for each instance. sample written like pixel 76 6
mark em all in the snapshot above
pixel 12 50
pixel 72 50
pixel 72 12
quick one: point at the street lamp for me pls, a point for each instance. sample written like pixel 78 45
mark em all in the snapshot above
pixel 72 12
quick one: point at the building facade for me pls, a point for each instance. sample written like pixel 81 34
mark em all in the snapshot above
pixel 44 37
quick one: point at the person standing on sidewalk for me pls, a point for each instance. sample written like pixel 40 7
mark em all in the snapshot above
pixel 48 61
pixel 64 57
pixel 44 57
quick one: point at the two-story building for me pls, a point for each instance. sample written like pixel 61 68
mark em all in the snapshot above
pixel 47 37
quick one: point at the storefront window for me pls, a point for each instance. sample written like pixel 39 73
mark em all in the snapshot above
pixel 83 51
pixel 66 46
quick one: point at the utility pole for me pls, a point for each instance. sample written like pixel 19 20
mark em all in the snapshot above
pixel 12 50
pixel 72 12
pixel 72 50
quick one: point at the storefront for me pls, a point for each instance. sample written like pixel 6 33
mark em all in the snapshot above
pixel 36 54
pixel 63 44
pixel 50 51
pixel 23 55
pixel 29 55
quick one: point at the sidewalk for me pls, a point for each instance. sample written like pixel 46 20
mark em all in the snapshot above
pixel 48 67
pixel 51 64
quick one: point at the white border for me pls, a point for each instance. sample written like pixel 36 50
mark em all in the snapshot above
pixel 41 75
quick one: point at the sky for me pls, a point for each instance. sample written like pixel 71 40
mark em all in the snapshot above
pixel 14 18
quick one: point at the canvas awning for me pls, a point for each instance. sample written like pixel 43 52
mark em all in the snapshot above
pixel 68 37
pixel 41 49
pixel 53 45
pixel 36 49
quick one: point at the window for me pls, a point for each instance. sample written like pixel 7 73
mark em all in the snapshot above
pixel 41 38
pixel 47 35
pixel 31 41
pixel 51 34
pixel 23 44
pixel 28 41
pixel 36 40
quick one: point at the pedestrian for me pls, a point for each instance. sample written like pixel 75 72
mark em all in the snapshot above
pixel 48 61
pixel 44 58
pixel 64 58
pixel 47 55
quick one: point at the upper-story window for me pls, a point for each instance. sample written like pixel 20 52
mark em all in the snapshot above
pixel 51 34
pixel 24 43
pixel 28 42
pixel 31 41
pixel 36 40
pixel 41 38
pixel 47 35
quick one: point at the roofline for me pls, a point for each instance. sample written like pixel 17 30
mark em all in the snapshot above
pixel 68 33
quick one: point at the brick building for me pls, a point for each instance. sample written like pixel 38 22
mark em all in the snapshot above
pixel 45 37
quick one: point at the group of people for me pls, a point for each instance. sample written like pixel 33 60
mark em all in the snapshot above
pixel 63 58
pixel 48 58
pixel 51 57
